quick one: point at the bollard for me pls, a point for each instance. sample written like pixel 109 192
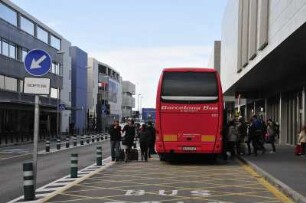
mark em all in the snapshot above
pixel 102 137
pixel 99 156
pixel 67 142
pixel 92 138
pixel 74 166
pixel 87 139
pixel 47 146
pixel 75 141
pixel 106 136
pixel 28 181
pixel 98 137
pixel 82 140
pixel 58 144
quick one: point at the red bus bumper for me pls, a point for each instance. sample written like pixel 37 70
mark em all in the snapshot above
pixel 188 148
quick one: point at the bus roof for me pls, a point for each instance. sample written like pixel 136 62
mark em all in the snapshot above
pixel 184 69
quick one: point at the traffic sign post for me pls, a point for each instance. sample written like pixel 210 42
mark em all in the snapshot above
pixel 37 63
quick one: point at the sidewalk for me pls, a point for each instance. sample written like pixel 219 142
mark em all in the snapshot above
pixel 283 169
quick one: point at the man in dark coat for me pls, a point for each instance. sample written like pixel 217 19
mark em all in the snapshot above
pixel 115 138
pixel 151 139
pixel 128 139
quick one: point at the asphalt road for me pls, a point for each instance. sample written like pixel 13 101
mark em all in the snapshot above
pixel 50 167
pixel 177 182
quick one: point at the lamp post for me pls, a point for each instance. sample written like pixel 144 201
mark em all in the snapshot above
pixel 58 92
pixel 138 105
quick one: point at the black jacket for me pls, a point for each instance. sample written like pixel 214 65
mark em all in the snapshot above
pixel 115 133
pixel 129 135
pixel 151 134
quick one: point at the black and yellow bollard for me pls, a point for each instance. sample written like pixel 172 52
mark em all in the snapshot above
pixel 47 146
pixel 92 138
pixel 58 144
pixel 102 137
pixel 74 166
pixel 99 156
pixel 67 142
pixel 75 141
pixel 28 182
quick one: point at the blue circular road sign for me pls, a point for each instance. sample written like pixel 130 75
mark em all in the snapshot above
pixel 37 62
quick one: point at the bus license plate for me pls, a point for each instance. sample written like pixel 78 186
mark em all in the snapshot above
pixel 189 148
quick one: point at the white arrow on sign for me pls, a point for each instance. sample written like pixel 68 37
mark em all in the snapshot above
pixel 36 64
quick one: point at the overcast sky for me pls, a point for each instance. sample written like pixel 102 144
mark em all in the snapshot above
pixel 138 38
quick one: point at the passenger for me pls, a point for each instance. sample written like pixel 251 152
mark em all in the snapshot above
pixel 128 139
pixel 242 133
pixel 251 132
pixel 302 140
pixel 232 138
pixel 144 136
pixel 258 139
pixel 271 135
pixel 151 140
pixel 115 137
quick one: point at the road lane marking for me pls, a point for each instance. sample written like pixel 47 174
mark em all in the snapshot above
pixel 278 194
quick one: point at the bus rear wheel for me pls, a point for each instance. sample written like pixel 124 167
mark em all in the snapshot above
pixel 162 157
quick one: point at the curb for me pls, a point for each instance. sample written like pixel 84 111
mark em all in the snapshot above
pixel 297 197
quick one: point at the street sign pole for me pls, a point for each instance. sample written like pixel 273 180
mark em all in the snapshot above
pixel 36 130
pixel 37 63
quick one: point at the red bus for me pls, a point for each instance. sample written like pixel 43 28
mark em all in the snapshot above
pixel 189 112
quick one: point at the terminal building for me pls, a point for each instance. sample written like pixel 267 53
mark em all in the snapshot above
pixel 104 95
pixel 262 61
pixel 19 33
pixel 128 101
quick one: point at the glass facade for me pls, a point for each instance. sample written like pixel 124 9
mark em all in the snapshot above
pixel 24 52
pixel 8 14
pixel 12 51
pixel 27 25
pixel 42 35
pixel 5 48
pixel 55 42
pixel 10 84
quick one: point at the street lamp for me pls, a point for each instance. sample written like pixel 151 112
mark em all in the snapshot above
pixel 58 92
pixel 138 104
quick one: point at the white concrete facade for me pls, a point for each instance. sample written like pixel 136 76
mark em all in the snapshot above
pixel 65 94
pixel 92 86
pixel 284 17
pixel 262 60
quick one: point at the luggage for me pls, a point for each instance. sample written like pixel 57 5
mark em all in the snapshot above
pixel 121 155
pixel 298 150
pixel 133 154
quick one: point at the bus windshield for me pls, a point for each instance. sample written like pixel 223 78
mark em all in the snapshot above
pixel 189 86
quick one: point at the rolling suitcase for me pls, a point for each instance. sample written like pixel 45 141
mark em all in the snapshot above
pixel 133 155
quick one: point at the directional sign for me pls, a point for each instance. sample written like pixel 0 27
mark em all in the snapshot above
pixel 37 62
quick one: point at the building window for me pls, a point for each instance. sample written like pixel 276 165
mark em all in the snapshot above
pixel 54 93
pixel 55 68
pixel 1 81
pixel 42 35
pixel 20 85
pixel 10 84
pixel 27 25
pixel 70 96
pixel 8 14
pixel 24 52
pixel 12 51
pixel 5 48
pixel 55 42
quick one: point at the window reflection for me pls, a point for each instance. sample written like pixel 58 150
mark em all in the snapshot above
pixel 26 25
pixel 8 14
